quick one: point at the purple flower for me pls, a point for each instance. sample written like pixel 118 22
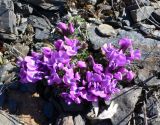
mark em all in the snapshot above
pixel 71 46
pixel 98 68
pixel 88 96
pixel 130 75
pixel 71 28
pixel 125 43
pixel 81 64
pixel 62 27
pixel 59 44
pixel 118 76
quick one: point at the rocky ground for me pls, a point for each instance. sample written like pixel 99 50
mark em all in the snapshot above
pixel 27 25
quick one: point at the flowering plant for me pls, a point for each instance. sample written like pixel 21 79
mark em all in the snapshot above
pixel 79 78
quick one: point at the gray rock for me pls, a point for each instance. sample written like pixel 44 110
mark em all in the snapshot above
pixel 147 29
pixel 23 8
pixel 96 40
pixel 65 120
pixel 7 119
pixel 140 2
pixel 22 27
pixel 7 36
pixel 42 26
pixel 126 101
pixel 78 120
pixel 152 107
pixel 42 34
pixel 106 30
pixel 47 4
pixel 156 15
pixel 93 2
pixel 156 33
pixel 142 14
pixel 22 49
pixel 7 19
pixel 156 4
pixel 155 121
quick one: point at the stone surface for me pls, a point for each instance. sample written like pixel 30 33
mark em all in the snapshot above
pixel 156 33
pixel 47 4
pixel 147 29
pixel 106 30
pixel 156 4
pixel 156 15
pixel 26 9
pixel 7 20
pixel 126 101
pixel 65 120
pixel 2 99
pixel 7 119
pixel 96 40
pixel 78 120
pixel 152 107
pixel 42 27
pixel 142 14
pixel 22 49
pixel 93 2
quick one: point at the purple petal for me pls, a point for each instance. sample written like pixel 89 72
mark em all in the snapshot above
pixel 130 75
pixel 81 64
pixel 62 26
pixel 71 28
pixel 125 43
pixel 118 76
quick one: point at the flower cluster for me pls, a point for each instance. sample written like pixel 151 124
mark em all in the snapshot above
pixel 79 79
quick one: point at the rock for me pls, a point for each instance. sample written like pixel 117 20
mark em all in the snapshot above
pixel 68 120
pixel 156 15
pixel 147 29
pixel 156 4
pixel 78 120
pixel 48 110
pixel 2 98
pixel 152 107
pixel 7 19
pixel 140 2
pixel 22 27
pixel 40 35
pixel 7 119
pixel 48 4
pixel 65 120
pixel 96 40
pixel 156 33
pixel 155 121
pixel 26 9
pixel 11 37
pixel 22 49
pixel 4 72
pixel 106 30
pixel 93 2
pixel 12 105
pixel 142 14
pixel 126 100
pixel 42 27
